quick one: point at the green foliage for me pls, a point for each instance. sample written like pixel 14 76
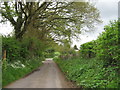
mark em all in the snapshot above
pixel 106 47
pixel 102 71
pixel 87 50
pixel 34 46
pixel 49 53
pixel 66 22
pixel 56 55
pixel 15 70
pixel 27 48
pixel 13 48
pixel 65 50
pixel 20 58
pixel 107 44
pixel 67 54
pixel 75 47
pixel 90 73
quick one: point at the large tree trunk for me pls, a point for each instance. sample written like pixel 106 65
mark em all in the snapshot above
pixel 17 31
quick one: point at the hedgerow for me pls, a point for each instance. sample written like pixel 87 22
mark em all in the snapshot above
pixel 22 57
pixel 106 47
pixel 107 44
pixel 87 50
pixel 90 73
pixel 99 63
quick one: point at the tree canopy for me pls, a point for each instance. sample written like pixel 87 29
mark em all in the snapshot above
pixel 50 20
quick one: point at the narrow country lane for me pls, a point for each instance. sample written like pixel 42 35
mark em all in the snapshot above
pixel 47 76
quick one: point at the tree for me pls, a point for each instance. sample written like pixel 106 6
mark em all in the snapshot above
pixel 75 47
pixel 51 20
pixel 20 15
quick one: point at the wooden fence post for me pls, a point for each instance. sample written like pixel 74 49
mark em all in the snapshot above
pixel 4 55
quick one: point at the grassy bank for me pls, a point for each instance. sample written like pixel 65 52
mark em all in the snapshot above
pixel 15 70
pixel 20 57
pixel 90 73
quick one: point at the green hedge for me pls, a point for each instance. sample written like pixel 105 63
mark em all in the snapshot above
pixel 107 44
pixel 87 50
pixel 13 48
pixel 19 50
pixel 99 64
pixel 22 57
pixel 106 47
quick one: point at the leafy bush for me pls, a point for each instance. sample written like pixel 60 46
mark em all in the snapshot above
pixel 106 47
pixel 49 53
pixel 87 50
pixel 12 47
pixel 34 46
pixel 27 48
pixel 107 44
pixel 56 55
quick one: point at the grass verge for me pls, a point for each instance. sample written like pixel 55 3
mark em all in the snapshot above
pixel 16 70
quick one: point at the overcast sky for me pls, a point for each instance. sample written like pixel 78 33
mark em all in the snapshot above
pixel 108 11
